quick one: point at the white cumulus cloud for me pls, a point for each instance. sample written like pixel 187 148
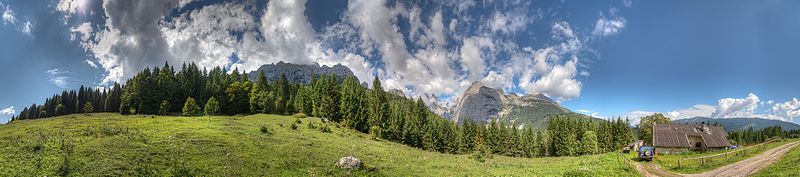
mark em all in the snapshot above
pixel 736 107
pixel 9 111
pixel 787 110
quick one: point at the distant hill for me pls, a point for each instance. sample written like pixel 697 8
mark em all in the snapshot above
pixel 299 73
pixel 481 103
pixel 732 124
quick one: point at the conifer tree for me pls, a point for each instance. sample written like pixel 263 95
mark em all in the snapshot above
pixel 589 143
pixel 190 108
pixel 378 105
pixel 281 95
pixel 352 105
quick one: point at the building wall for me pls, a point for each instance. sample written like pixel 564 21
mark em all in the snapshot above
pixel 670 150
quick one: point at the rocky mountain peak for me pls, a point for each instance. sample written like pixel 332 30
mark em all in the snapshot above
pixel 482 103
pixel 300 73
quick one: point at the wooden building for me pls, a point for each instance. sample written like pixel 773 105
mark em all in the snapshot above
pixel 669 138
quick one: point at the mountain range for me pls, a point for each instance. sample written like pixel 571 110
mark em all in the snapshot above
pixel 732 124
pixel 481 103
pixel 299 73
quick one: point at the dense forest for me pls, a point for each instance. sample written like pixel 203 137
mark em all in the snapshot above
pixel 750 136
pixel 193 92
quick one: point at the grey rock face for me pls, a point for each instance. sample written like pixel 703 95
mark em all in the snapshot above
pixel 397 92
pixel 299 73
pixel 436 106
pixel 481 104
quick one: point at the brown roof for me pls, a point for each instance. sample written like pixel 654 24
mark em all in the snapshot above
pixel 678 135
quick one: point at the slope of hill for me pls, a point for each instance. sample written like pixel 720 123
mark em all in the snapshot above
pixel 481 103
pixel 299 73
pixel 732 124
pixel 116 145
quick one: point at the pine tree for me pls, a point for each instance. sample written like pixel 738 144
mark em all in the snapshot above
pixel 59 109
pixel 352 105
pixel 378 105
pixel 589 143
pixel 238 97
pixel 164 108
pixel 260 100
pixel 281 95
pixel 190 108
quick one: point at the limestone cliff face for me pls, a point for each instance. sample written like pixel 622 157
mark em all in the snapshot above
pixel 481 104
pixel 299 73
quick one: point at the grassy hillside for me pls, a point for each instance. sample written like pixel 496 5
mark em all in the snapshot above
pixel 117 145
pixel 787 166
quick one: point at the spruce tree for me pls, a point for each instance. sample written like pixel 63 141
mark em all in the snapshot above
pixel 164 108
pixel 589 143
pixel 281 95
pixel 378 105
pixel 190 108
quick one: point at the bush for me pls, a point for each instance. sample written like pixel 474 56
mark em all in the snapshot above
pixel 190 108
pixel 577 173
pixel 299 115
pixel 294 126
pixel 312 126
pixel 298 121
pixel 325 129
pixel 264 129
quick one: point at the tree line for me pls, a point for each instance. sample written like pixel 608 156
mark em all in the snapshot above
pixel 192 92
pixel 751 136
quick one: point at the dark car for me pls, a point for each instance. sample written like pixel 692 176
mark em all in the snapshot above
pixel 647 153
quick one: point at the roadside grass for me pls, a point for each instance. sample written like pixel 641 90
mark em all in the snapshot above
pixel 670 161
pixel 107 144
pixel 786 166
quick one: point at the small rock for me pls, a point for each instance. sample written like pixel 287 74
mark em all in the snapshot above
pixel 349 162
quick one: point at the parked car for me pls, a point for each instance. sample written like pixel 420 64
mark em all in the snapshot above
pixel 647 153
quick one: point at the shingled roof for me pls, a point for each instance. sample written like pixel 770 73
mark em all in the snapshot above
pixel 678 135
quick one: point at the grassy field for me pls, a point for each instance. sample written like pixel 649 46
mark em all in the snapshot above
pixel 787 166
pixel 670 161
pixel 258 145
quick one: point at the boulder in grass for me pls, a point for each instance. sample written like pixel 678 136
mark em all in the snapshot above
pixel 349 162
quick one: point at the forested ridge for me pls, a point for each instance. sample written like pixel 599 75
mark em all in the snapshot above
pixel 193 92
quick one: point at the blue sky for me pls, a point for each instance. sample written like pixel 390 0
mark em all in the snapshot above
pixel 605 58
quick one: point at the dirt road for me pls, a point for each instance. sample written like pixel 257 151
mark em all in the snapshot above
pixel 749 166
pixel 742 168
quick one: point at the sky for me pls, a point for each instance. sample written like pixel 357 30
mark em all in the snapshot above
pixel 617 58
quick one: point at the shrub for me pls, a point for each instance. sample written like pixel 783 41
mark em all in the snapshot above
pixel 325 129
pixel 191 108
pixel 294 126
pixel 312 126
pixel 299 115
pixel 264 129
pixel 212 107
pixel 298 121
pixel 577 173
